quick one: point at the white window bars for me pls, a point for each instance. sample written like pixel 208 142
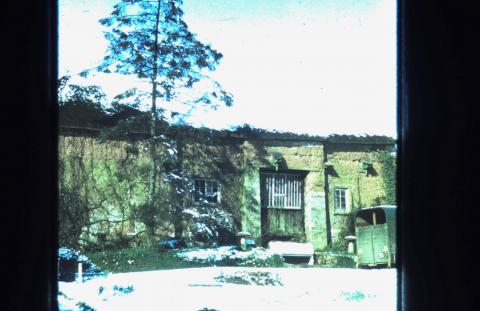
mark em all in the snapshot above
pixel 283 190
pixel 340 199
pixel 207 191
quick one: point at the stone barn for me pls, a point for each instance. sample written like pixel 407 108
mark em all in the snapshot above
pixel 293 187
pixel 278 186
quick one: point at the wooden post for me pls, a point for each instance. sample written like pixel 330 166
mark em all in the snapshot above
pixel 374 219
pixel 351 248
pixel 80 273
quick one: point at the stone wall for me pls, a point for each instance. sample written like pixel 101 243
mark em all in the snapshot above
pixel 101 185
pixel 222 160
pixel 237 164
pixel 115 183
pixel 305 156
pixel 365 185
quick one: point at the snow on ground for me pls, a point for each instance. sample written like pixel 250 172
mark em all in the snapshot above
pixel 193 289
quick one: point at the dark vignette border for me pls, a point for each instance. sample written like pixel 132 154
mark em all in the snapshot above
pixel 437 166
pixel 436 173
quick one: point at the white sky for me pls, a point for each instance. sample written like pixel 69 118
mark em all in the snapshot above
pixel 306 66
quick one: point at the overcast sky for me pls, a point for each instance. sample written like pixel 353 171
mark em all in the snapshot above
pixel 319 67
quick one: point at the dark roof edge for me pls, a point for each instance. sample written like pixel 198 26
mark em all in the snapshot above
pixel 260 135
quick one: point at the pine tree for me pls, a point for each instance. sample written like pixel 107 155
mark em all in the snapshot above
pixel 150 40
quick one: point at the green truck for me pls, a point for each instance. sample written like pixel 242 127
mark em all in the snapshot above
pixel 375 229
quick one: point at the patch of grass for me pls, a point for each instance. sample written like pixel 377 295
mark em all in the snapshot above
pixel 332 259
pixel 138 259
pixel 275 261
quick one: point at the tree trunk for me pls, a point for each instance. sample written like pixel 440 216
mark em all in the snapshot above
pixel 150 235
pixel 153 132
pixel 179 222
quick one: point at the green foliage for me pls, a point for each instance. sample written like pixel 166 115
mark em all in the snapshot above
pixel 98 192
pixel 368 139
pixel 80 105
pixel 261 278
pixel 210 225
pixel 73 217
pixel 123 120
pixel 79 94
pixel 147 259
pixel 150 39
pixel 335 259
pixel 138 259
pixel 74 213
pixel 105 186
pixel 253 261
pixel 388 173
pixel 339 243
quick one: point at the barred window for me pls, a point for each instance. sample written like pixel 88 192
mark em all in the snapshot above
pixel 207 191
pixel 283 190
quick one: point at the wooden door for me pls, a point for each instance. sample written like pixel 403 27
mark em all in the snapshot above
pixel 282 205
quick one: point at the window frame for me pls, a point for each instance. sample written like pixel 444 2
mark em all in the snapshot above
pixel 346 200
pixel 200 197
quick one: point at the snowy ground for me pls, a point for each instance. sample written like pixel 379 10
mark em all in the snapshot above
pixel 257 255
pixel 196 289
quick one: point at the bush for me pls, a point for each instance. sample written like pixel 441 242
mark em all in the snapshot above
pixel 231 256
pixel 210 225
pixel 68 260
pixel 335 259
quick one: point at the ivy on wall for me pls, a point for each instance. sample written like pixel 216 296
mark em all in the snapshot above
pixel 92 180
pixel 104 182
pixel 370 175
pixel 388 173
pixel 103 186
